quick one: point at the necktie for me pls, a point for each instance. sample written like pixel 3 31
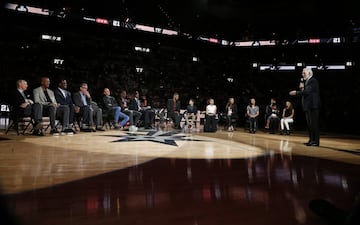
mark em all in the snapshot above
pixel 47 96
pixel 174 105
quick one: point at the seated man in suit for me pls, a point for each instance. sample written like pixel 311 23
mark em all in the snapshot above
pixel 148 112
pixel 114 110
pixel 173 110
pixel 135 105
pixel 46 98
pixel 63 97
pixel 22 106
pixel 87 109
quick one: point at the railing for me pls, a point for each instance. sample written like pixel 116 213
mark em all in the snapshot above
pixel 4 116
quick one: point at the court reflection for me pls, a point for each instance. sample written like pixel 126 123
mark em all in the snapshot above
pixel 272 189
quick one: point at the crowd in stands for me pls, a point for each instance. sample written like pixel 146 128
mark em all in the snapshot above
pixel 108 61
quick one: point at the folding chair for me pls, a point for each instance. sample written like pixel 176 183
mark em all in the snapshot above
pixel 22 122
pixel 196 121
pixel 161 119
pixel 107 118
pixel 46 123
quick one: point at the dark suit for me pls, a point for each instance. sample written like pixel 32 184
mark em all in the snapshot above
pixel 65 101
pixel 148 114
pixel 88 111
pixel 85 110
pixel 33 110
pixel 173 111
pixel 311 105
pixel 134 111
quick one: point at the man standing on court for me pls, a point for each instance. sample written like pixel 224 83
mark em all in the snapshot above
pixel 309 91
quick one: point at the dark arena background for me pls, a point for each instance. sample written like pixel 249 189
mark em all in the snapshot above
pixel 165 175
pixel 258 53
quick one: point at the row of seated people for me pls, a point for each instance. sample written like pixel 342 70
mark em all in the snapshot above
pixel 43 104
pixel 192 114
pixel 130 108
pixel 274 119
pixel 231 115
pixel 79 107
pixel 212 117
pixel 137 107
pixel 176 114
pixel 124 114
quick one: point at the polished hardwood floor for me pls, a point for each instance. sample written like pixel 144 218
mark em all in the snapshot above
pixel 174 177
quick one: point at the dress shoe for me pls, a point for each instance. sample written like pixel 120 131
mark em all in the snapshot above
pixel 312 144
pixel 38 133
pixel 86 129
pixel 54 132
pixel 100 129
pixel 69 131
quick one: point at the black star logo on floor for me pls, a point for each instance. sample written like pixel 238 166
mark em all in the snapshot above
pixel 163 137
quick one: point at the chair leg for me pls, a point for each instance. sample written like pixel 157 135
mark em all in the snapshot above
pixel 11 125
pixel 32 123
pixel 15 124
pixel 108 124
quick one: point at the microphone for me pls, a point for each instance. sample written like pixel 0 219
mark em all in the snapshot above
pixel 302 83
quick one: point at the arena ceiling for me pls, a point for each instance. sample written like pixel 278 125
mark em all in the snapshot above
pixel 234 19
